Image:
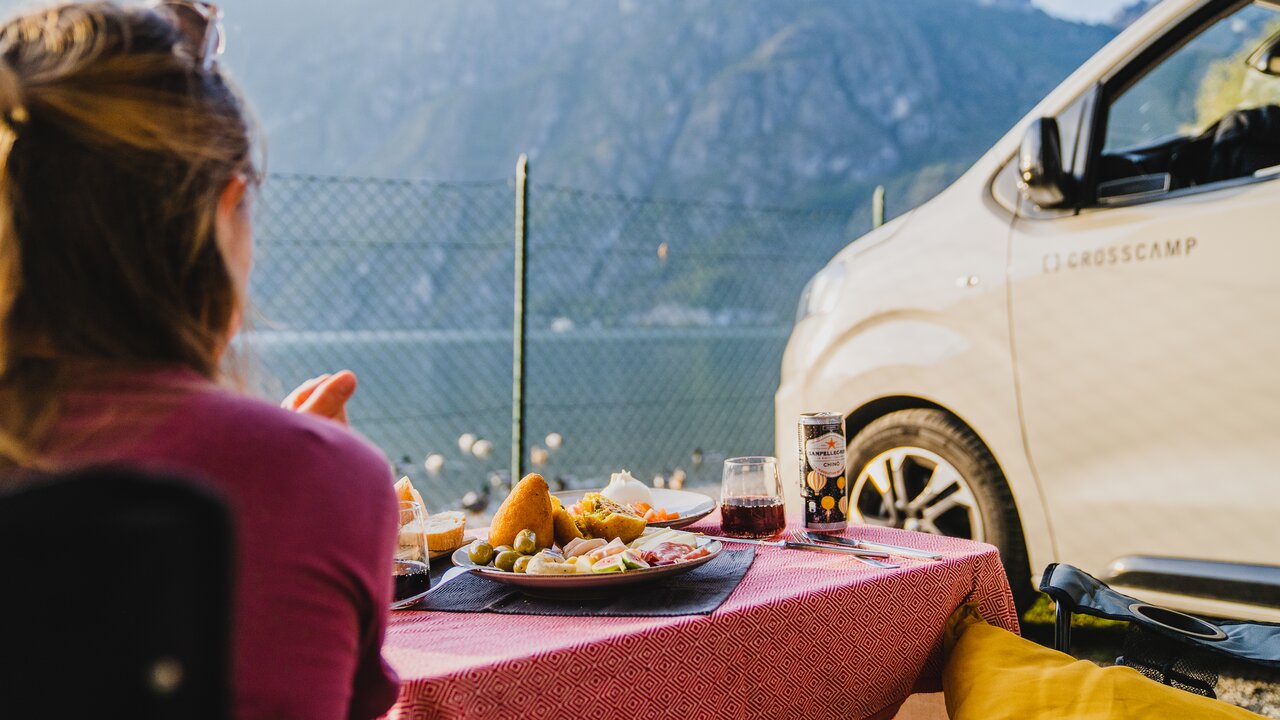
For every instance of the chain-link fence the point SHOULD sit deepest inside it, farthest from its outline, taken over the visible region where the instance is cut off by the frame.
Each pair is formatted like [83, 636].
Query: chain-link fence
[654, 328]
[408, 284]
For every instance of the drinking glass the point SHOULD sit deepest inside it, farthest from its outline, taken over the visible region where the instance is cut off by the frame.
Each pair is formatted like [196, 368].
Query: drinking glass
[751, 498]
[412, 564]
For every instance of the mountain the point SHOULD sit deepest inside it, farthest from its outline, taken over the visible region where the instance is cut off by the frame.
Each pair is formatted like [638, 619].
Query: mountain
[803, 103]
[800, 103]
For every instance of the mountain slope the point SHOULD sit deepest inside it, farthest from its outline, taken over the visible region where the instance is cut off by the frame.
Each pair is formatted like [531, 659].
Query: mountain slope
[804, 103]
[756, 101]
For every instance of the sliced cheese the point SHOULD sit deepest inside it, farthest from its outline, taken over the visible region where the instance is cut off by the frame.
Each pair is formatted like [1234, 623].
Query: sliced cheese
[666, 535]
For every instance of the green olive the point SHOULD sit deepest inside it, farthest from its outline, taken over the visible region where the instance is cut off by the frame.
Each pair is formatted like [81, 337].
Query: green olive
[522, 563]
[506, 560]
[526, 542]
[501, 549]
[481, 553]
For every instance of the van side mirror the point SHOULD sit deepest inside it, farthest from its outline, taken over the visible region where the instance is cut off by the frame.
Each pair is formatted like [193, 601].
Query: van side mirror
[1266, 59]
[1040, 176]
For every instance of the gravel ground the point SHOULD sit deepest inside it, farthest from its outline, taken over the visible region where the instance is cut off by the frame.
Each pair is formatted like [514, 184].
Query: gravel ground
[1250, 691]
[1248, 686]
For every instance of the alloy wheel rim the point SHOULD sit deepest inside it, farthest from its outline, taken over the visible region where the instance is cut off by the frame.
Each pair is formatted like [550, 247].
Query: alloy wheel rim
[916, 489]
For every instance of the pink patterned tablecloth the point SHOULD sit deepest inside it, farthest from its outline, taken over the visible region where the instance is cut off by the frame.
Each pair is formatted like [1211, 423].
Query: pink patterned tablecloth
[806, 635]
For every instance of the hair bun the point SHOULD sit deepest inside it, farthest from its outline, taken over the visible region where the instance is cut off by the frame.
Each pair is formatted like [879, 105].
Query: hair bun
[12, 106]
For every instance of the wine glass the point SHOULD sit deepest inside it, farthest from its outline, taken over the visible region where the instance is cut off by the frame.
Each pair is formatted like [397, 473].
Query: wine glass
[751, 498]
[412, 563]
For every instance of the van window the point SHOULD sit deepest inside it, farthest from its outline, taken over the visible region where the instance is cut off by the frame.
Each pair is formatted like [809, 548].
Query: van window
[1202, 115]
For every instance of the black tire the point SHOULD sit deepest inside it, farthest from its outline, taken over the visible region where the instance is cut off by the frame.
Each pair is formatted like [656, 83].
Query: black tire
[942, 434]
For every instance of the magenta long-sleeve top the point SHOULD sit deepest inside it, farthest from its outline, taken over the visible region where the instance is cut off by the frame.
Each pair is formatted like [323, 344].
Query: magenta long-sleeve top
[315, 528]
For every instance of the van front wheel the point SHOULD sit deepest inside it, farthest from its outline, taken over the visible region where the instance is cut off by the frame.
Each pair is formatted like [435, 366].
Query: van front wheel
[924, 470]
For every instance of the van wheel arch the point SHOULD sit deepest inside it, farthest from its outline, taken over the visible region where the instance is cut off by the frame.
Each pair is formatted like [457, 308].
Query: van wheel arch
[855, 421]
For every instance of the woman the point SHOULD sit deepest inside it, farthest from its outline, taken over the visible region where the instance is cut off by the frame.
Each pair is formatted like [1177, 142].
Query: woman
[125, 248]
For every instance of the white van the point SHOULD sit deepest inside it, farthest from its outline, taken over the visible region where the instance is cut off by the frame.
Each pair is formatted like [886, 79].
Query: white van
[1073, 352]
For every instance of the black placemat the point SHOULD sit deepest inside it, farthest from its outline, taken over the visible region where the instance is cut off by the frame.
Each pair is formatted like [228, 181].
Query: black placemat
[697, 592]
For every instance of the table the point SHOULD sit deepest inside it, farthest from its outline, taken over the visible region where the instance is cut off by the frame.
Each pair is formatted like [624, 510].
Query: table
[806, 635]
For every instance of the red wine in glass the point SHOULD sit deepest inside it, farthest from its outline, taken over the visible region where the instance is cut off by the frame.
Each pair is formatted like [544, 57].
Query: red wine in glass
[752, 516]
[412, 578]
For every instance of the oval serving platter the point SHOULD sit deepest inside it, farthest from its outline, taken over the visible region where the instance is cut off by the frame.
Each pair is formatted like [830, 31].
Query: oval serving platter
[587, 581]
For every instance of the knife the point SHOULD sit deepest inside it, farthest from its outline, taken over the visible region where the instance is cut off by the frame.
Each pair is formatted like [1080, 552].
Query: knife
[873, 546]
[748, 541]
[793, 545]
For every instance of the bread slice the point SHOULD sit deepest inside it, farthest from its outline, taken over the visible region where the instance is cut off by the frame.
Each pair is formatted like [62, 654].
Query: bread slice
[406, 492]
[444, 530]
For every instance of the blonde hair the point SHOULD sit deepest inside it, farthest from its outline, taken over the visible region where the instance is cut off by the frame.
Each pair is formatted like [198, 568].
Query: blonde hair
[115, 146]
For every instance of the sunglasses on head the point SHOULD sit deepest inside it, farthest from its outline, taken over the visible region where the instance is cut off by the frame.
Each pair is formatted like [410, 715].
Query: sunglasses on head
[201, 25]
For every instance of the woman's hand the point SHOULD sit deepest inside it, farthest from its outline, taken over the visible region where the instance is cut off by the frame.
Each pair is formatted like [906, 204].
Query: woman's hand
[325, 396]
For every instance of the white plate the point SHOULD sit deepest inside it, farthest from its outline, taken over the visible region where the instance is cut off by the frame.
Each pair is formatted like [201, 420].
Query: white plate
[692, 506]
[587, 581]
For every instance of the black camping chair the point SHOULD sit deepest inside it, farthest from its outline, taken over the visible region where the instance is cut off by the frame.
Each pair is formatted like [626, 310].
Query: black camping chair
[1167, 646]
[115, 599]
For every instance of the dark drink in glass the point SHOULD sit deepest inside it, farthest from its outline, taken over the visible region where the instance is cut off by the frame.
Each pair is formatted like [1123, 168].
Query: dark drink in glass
[752, 516]
[412, 578]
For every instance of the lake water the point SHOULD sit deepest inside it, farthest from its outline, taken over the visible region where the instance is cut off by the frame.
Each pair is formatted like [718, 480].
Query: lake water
[648, 400]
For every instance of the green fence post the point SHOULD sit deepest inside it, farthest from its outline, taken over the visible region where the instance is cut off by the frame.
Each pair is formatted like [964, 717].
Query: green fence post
[877, 207]
[517, 361]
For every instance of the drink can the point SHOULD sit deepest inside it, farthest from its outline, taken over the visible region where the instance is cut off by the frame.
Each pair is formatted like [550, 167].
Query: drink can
[823, 483]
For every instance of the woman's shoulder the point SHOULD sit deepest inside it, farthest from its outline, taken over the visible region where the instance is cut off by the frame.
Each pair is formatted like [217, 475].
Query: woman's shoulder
[173, 419]
[318, 467]
[263, 427]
